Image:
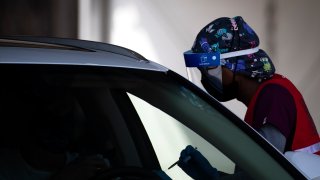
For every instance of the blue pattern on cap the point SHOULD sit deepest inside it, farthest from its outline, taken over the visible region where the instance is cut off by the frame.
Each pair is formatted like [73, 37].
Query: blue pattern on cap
[233, 34]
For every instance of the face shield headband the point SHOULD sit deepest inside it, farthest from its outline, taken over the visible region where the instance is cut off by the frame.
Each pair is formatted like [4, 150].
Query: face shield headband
[210, 66]
[213, 58]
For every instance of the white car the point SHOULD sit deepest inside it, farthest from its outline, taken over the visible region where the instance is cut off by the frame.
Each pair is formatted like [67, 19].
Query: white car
[88, 99]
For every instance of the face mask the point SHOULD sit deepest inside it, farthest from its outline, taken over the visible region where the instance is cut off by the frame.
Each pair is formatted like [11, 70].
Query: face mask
[212, 82]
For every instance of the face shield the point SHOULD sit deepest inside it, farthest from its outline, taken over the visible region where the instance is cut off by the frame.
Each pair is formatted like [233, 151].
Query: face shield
[210, 66]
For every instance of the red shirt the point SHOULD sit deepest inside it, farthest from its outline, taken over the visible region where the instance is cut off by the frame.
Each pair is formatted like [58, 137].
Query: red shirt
[279, 108]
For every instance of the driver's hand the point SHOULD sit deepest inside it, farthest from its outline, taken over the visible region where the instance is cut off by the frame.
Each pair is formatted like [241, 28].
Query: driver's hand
[82, 169]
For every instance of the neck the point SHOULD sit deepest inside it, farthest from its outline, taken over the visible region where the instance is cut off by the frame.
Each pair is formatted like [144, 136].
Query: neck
[247, 89]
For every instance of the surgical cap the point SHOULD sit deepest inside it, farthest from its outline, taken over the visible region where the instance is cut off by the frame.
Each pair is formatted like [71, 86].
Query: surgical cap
[226, 35]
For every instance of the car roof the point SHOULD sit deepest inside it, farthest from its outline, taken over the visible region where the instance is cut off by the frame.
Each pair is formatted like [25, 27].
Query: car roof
[44, 50]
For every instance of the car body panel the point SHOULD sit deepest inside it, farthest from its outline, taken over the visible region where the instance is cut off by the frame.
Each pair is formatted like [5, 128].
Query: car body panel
[96, 52]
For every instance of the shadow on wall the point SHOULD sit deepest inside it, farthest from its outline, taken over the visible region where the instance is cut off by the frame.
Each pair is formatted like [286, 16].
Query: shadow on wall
[54, 18]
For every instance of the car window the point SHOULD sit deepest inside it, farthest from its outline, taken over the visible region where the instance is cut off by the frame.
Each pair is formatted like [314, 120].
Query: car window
[131, 117]
[169, 137]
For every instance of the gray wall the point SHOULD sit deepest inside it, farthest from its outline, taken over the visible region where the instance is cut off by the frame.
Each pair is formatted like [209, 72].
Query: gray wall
[55, 18]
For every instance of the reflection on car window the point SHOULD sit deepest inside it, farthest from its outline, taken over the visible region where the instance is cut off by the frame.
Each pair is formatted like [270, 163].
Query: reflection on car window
[169, 137]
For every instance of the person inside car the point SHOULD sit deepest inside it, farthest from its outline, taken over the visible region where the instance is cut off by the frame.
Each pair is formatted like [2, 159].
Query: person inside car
[232, 66]
[48, 149]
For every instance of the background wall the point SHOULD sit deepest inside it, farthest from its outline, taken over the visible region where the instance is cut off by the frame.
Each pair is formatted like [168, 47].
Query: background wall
[57, 18]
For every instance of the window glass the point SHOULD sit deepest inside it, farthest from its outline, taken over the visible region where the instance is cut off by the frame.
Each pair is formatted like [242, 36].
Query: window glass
[169, 137]
[109, 104]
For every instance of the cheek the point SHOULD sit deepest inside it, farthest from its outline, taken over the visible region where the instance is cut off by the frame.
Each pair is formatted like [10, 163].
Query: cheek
[227, 76]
